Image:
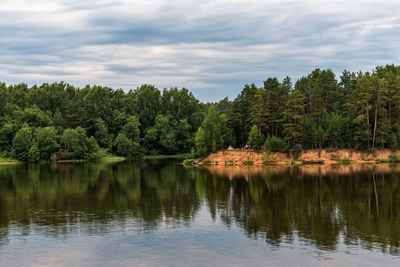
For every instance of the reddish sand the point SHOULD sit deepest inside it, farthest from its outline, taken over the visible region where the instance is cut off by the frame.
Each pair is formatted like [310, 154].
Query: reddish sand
[239, 157]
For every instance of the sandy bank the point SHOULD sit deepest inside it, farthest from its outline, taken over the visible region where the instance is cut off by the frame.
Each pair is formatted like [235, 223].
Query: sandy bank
[328, 157]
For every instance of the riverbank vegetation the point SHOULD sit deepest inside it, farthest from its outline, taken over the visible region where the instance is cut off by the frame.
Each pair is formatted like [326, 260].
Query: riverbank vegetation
[60, 121]
[353, 111]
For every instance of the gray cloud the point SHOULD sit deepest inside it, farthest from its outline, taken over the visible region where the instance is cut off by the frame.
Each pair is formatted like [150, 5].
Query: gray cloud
[211, 47]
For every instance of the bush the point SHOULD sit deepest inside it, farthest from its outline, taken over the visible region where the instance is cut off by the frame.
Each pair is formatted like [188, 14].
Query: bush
[126, 147]
[188, 162]
[62, 155]
[345, 161]
[46, 142]
[22, 143]
[34, 153]
[207, 161]
[256, 137]
[275, 144]
[78, 146]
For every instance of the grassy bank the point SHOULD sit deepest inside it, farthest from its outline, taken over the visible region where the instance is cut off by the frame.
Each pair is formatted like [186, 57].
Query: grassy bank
[8, 161]
[103, 156]
[111, 157]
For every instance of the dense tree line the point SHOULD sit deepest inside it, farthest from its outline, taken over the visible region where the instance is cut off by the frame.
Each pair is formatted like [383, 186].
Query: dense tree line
[356, 110]
[60, 120]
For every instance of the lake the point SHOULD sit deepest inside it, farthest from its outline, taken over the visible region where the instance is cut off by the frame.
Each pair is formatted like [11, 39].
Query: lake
[159, 213]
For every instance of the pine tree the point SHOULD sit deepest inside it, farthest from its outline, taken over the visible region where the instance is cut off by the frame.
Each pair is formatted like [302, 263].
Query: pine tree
[294, 116]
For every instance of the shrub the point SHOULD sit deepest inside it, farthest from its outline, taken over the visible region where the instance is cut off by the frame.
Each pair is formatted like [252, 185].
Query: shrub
[256, 137]
[275, 144]
[34, 153]
[207, 161]
[22, 143]
[46, 142]
[188, 162]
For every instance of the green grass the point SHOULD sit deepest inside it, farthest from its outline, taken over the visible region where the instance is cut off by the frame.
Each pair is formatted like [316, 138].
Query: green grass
[384, 160]
[207, 162]
[345, 161]
[313, 161]
[2, 160]
[111, 157]
[176, 156]
[104, 155]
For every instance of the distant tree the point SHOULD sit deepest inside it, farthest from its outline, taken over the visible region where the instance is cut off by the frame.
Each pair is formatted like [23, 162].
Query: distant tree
[294, 116]
[22, 142]
[34, 153]
[124, 146]
[101, 132]
[132, 129]
[184, 137]
[214, 127]
[59, 121]
[275, 144]
[200, 141]
[256, 137]
[78, 145]
[46, 142]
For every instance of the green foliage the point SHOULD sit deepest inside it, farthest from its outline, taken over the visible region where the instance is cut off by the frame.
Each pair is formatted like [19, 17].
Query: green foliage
[161, 137]
[256, 137]
[132, 129]
[355, 110]
[101, 132]
[77, 145]
[7, 132]
[294, 117]
[47, 142]
[213, 133]
[248, 161]
[275, 144]
[22, 142]
[34, 153]
[188, 162]
[200, 141]
[124, 146]
[214, 146]
[207, 161]
[345, 161]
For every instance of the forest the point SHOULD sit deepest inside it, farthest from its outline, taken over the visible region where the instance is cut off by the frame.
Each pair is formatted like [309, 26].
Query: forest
[60, 121]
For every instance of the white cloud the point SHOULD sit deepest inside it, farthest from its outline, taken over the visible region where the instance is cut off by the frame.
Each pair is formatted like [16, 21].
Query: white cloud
[210, 47]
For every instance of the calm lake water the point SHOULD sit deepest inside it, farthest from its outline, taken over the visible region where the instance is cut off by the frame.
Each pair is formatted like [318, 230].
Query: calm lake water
[159, 213]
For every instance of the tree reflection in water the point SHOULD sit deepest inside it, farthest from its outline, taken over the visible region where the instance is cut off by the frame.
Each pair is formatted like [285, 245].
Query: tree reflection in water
[355, 205]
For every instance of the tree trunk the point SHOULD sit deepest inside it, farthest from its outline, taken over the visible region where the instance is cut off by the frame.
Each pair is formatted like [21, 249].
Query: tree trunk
[367, 113]
[398, 121]
[376, 119]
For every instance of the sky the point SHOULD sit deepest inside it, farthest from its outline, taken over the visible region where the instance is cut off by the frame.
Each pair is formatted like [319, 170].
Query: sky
[213, 48]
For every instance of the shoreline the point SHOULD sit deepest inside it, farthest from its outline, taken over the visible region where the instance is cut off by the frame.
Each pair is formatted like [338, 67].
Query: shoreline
[304, 157]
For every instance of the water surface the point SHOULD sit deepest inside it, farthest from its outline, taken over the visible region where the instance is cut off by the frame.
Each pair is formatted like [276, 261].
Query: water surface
[159, 213]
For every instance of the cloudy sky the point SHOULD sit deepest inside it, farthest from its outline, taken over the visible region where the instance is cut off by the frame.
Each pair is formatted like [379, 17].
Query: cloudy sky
[210, 47]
